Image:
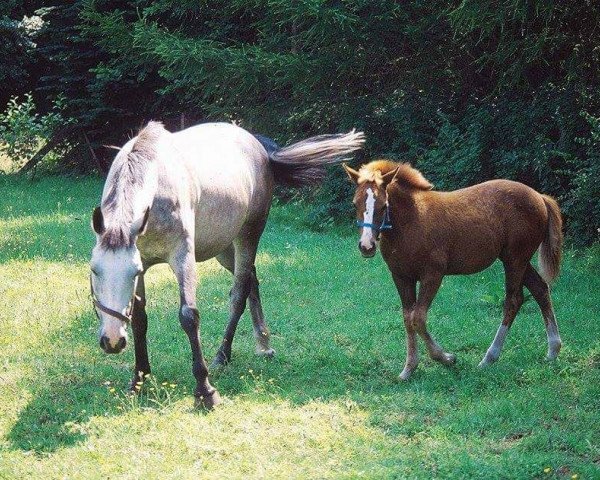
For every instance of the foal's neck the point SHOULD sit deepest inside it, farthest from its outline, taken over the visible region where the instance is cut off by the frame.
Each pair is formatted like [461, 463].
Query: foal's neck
[402, 205]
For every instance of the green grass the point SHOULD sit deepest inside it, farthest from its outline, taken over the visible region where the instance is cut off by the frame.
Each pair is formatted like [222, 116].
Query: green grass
[329, 405]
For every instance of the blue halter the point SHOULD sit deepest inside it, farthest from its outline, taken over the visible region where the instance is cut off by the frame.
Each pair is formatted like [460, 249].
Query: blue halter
[386, 223]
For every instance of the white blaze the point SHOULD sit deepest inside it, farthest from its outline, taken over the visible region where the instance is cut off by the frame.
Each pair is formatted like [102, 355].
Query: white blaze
[366, 239]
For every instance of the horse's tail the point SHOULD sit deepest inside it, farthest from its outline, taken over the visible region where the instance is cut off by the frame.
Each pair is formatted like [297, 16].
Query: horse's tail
[303, 163]
[551, 248]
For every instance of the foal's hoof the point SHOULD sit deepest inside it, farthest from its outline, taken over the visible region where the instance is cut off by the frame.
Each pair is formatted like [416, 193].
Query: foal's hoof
[448, 359]
[207, 401]
[553, 351]
[405, 375]
[267, 353]
[485, 361]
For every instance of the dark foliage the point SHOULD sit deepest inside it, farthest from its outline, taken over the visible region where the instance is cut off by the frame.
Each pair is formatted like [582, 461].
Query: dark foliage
[468, 90]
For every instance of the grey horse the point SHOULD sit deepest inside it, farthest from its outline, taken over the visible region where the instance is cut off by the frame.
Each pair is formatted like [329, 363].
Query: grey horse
[185, 197]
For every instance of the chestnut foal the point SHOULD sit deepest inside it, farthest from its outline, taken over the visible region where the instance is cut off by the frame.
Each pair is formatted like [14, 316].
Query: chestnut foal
[425, 235]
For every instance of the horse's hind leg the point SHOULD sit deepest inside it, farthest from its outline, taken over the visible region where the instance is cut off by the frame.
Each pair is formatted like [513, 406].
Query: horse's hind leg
[541, 292]
[261, 331]
[512, 303]
[245, 254]
[139, 326]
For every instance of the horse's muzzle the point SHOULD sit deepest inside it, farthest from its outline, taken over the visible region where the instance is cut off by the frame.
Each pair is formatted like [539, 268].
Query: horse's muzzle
[108, 348]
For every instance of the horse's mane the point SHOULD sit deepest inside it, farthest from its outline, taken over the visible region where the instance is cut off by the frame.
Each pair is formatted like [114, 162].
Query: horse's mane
[375, 170]
[126, 178]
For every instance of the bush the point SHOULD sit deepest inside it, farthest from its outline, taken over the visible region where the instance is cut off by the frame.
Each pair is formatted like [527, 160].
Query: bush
[582, 204]
[23, 131]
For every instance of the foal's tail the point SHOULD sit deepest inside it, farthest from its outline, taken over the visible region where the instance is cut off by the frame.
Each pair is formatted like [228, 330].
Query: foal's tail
[550, 250]
[303, 163]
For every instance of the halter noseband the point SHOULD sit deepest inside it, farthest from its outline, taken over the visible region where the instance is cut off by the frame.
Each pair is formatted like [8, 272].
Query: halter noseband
[109, 311]
[386, 223]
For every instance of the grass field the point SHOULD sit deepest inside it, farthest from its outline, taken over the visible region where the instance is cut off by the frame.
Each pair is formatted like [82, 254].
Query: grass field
[329, 405]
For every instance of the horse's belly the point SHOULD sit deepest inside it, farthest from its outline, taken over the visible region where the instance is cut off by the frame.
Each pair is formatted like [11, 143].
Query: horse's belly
[214, 234]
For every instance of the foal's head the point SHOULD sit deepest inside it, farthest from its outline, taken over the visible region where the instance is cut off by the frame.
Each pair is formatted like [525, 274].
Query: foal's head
[115, 267]
[372, 201]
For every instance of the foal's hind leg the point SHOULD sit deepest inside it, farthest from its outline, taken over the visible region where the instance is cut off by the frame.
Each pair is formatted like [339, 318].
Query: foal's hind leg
[541, 292]
[512, 303]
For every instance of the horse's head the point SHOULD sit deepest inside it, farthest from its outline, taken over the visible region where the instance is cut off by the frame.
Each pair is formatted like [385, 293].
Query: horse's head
[370, 200]
[115, 266]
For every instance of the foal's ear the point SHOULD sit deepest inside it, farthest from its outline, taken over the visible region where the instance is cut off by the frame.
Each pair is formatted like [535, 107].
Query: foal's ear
[144, 222]
[352, 174]
[389, 177]
[98, 221]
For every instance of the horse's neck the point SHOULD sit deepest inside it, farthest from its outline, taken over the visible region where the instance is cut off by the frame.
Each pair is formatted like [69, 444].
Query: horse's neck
[129, 193]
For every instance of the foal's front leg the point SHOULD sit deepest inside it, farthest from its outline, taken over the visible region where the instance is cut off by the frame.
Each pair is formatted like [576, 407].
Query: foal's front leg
[184, 268]
[407, 289]
[428, 288]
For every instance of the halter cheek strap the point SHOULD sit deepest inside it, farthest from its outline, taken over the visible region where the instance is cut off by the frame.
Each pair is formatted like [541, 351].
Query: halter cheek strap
[109, 311]
[386, 223]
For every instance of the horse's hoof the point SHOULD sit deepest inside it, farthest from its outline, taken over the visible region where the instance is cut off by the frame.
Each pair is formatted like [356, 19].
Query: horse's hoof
[267, 353]
[207, 401]
[405, 375]
[135, 387]
[219, 361]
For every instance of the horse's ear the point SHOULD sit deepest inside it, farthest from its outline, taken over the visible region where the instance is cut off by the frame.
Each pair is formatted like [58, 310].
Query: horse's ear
[144, 222]
[98, 221]
[389, 177]
[352, 174]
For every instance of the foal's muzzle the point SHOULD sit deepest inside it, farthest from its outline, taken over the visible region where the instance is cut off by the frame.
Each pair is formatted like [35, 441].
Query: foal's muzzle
[108, 348]
[367, 252]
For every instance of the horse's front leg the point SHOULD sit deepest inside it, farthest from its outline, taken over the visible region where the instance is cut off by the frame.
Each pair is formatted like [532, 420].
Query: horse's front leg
[183, 265]
[139, 326]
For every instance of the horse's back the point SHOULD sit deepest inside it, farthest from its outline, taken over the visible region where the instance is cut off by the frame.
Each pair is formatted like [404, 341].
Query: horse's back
[498, 219]
[228, 168]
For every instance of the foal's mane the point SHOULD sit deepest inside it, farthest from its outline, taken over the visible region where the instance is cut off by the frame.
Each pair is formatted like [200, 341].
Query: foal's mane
[127, 178]
[375, 170]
